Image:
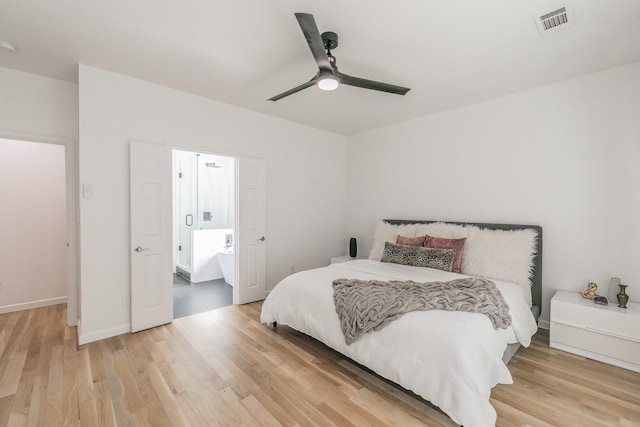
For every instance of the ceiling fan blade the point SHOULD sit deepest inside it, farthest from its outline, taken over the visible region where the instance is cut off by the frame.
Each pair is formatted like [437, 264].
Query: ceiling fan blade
[311, 33]
[370, 84]
[295, 89]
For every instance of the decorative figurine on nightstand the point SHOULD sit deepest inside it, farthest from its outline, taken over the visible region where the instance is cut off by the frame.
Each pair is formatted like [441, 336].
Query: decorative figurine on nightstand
[623, 298]
[591, 292]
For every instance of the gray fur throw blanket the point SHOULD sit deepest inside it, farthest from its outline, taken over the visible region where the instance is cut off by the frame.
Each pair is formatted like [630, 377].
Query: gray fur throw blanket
[363, 305]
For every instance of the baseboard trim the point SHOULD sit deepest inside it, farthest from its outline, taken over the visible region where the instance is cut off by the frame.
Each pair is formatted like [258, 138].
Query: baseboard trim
[544, 324]
[32, 304]
[86, 338]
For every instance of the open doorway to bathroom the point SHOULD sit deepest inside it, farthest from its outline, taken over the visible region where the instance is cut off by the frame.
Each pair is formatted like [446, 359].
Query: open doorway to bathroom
[204, 214]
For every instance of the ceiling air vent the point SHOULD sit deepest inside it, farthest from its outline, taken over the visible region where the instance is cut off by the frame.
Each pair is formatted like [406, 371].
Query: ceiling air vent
[555, 21]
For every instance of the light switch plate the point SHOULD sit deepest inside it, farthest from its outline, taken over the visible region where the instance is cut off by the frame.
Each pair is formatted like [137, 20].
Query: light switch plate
[87, 191]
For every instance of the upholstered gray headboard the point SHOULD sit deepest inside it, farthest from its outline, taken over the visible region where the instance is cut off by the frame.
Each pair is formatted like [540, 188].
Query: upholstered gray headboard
[536, 273]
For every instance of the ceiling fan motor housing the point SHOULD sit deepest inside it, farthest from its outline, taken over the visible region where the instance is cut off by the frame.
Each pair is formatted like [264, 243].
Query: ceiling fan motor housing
[330, 40]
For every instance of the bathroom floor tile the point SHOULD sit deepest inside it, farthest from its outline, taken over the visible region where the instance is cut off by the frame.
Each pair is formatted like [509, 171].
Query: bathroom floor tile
[193, 298]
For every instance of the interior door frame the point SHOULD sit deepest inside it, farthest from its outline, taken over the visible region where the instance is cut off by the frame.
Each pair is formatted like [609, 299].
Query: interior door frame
[71, 195]
[214, 152]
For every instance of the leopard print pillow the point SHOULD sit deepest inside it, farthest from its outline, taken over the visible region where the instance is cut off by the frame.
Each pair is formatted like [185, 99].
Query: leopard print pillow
[417, 256]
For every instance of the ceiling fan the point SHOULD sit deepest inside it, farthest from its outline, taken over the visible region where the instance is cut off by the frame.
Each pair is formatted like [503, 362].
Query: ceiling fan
[328, 76]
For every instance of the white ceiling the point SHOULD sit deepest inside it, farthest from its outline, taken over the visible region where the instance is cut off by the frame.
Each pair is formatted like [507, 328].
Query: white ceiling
[242, 52]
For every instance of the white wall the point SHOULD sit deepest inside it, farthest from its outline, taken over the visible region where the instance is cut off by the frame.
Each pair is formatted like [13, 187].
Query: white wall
[564, 156]
[40, 109]
[306, 175]
[33, 262]
[37, 106]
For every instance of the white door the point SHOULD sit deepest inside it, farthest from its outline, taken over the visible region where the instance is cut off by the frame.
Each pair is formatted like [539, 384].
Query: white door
[251, 236]
[151, 236]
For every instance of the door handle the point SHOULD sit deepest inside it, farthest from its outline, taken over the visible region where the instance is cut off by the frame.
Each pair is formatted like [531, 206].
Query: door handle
[140, 249]
[262, 239]
[186, 220]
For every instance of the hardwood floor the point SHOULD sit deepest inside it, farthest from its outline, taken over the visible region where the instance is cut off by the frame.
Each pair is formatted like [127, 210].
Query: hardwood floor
[224, 368]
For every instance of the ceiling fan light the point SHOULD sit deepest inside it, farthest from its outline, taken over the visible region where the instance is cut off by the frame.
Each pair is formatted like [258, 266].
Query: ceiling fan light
[328, 83]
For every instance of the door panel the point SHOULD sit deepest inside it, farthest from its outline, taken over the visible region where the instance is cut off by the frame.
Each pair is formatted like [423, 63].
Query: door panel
[151, 234]
[251, 230]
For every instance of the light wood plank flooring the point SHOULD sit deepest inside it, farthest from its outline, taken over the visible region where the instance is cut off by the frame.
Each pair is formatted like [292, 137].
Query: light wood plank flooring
[224, 368]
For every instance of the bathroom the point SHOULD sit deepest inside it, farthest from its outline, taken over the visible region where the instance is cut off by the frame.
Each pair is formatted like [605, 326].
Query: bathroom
[204, 214]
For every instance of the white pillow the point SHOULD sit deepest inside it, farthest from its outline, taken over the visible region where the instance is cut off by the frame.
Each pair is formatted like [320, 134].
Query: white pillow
[442, 230]
[505, 255]
[388, 233]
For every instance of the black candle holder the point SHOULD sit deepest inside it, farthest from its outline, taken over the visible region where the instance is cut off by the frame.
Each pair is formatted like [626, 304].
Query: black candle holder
[353, 247]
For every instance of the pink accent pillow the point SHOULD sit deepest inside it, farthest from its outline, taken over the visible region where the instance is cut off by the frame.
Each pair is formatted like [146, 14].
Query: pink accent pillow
[441, 243]
[410, 241]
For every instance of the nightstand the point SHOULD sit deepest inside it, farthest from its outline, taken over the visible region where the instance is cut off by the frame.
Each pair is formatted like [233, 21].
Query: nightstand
[608, 333]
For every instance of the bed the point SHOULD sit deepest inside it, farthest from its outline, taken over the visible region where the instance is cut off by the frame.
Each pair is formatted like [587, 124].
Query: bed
[451, 358]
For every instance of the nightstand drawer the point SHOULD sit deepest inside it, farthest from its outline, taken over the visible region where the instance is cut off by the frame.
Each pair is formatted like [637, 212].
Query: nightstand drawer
[596, 341]
[604, 319]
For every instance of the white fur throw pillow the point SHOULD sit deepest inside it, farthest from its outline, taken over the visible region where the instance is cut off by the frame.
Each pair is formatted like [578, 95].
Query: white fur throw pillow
[505, 255]
[442, 230]
[388, 233]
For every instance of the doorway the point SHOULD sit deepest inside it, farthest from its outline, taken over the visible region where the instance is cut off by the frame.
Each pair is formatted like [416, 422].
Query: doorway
[154, 240]
[38, 182]
[204, 230]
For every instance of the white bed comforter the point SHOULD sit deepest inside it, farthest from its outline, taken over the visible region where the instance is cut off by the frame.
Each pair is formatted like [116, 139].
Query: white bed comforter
[452, 359]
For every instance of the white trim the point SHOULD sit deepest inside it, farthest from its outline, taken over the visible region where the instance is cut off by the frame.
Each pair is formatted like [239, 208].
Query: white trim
[544, 324]
[34, 137]
[73, 223]
[72, 210]
[32, 304]
[196, 148]
[102, 333]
